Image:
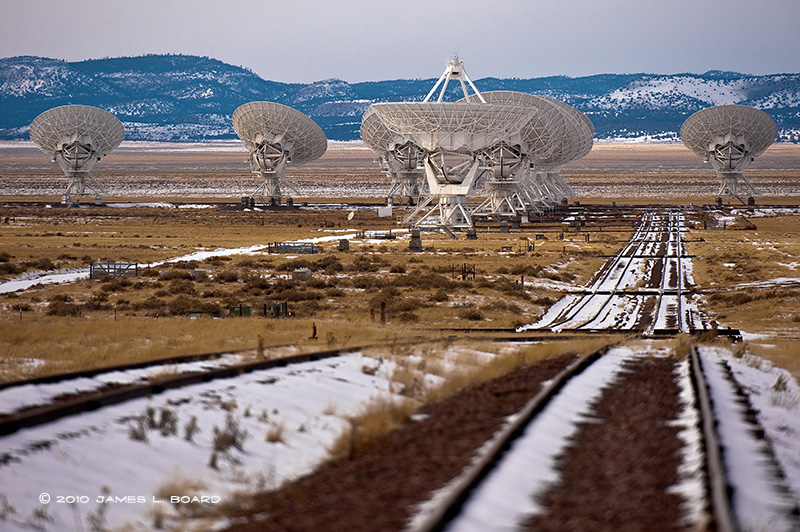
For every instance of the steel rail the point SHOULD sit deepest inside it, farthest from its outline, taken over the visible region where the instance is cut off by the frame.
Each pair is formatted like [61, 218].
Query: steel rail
[652, 224]
[718, 484]
[450, 506]
[89, 373]
[665, 289]
[636, 241]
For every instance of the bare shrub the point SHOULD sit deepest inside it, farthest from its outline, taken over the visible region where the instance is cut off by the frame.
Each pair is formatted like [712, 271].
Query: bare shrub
[8, 268]
[369, 429]
[228, 276]
[232, 435]
[183, 304]
[191, 429]
[139, 430]
[329, 264]
[363, 263]
[275, 433]
[181, 286]
[294, 264]
[439, 296]
[44, 264]
[115, 284]
[171, 275]
[471, 314]
[407, 317]
[63, 308]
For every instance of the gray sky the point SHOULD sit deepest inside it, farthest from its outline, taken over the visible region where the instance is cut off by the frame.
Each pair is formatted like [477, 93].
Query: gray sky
[365, 40]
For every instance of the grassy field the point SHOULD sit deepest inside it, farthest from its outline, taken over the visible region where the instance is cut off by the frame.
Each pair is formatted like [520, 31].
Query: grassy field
[103, 322]
[750, 274]
[183, 307]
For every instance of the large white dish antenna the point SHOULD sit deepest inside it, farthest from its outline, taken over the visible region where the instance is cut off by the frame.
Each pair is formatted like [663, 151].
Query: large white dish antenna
[572, 132]
[255, 122]
[375, 134]
[468, 127]
[55, 127]
[754, 125]
[399, 158]
[76, 137]
[730, 137]
[276, 135]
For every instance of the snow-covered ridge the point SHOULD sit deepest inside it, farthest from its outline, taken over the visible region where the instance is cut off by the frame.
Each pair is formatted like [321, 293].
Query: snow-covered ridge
[661, 92]
[173, 98]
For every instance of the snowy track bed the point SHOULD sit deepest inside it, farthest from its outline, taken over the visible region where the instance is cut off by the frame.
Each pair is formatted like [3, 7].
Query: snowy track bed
[646, 287]
[599, 452]
[753, 481]
[278, 424]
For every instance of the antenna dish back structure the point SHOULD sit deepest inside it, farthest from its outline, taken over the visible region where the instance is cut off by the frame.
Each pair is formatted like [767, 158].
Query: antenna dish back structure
[540, 183]
[77, 136]
[399, 158]
[277, 135]
[730, 137]
[498, 137]
[458, 139]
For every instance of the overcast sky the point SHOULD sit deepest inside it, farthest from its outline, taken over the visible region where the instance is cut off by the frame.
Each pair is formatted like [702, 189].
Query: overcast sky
[365, 40]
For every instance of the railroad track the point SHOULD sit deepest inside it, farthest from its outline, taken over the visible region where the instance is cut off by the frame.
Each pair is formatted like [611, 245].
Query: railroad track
[67, 394]
[746, 490]
[466, 502]
[642, 288]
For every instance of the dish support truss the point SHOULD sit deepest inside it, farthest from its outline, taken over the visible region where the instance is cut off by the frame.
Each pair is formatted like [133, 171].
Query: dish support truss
[77, 155]
[269, 159]
[451, 177]
[404, 164]
[730, 156]
[454, 70]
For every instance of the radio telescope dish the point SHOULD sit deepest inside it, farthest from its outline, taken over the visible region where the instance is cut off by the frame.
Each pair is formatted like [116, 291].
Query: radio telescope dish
[399, 158]
[572, 138]
[276, 135]
[77, 136]
[457, 139]
[729, 137]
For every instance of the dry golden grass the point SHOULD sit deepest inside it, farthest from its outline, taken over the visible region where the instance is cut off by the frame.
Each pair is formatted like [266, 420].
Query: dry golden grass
[72, 344]
[729, 266]
[468, 365]
[782, 353]
[275, 433]
[368, 428]
[470, 374]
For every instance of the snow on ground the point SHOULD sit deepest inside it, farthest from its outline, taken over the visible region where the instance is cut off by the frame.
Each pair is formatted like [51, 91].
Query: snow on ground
[552, 313]
[775, 396]
[304, 407]
[777, 282]
[162, 205]
[19, 397]
[757, 502]
[761, 212]
[691, 476]
[621, 312]
[67, 276]
[506, 498]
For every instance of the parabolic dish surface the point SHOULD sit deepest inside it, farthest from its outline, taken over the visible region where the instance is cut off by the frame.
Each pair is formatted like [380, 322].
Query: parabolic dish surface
[374, 132]
[756, 126]
[50, 128]
[269, 119]
[572, 132]
[467, 126]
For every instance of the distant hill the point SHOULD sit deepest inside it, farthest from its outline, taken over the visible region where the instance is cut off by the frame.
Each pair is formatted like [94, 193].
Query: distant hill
[189, 98]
